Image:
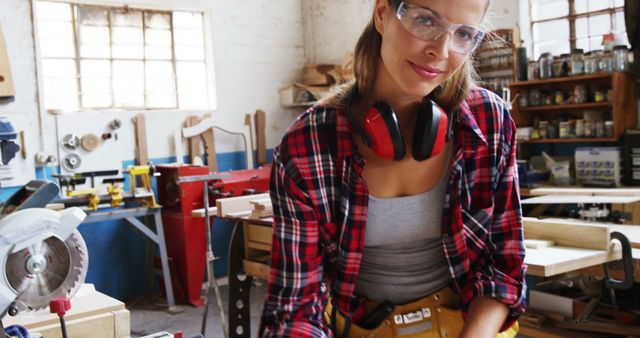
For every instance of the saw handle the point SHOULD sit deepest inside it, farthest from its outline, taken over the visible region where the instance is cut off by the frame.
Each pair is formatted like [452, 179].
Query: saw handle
[60, 306]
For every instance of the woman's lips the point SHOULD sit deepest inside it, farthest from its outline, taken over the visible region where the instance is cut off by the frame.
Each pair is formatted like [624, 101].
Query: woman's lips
[425, 71]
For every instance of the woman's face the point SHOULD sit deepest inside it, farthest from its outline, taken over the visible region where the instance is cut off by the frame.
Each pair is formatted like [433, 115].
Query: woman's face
[413, 63]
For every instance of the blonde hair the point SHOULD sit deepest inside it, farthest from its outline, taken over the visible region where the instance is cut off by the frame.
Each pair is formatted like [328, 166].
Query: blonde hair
[367, 55]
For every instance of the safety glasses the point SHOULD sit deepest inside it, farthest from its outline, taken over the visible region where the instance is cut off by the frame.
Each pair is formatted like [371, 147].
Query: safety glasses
[428, 25]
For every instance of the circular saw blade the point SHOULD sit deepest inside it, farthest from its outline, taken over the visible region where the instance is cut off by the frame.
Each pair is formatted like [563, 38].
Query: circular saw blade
[47, 270]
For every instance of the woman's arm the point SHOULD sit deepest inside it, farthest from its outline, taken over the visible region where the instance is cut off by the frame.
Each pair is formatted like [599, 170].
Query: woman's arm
[295, 294]
[484, 319]
[501, 277]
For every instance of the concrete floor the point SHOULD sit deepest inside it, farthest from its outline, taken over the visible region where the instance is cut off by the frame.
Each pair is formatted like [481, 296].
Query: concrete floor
[145, 319]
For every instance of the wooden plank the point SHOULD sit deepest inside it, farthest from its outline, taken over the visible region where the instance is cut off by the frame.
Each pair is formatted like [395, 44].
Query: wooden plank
[259, 234]
[142, 154]
[586, 191]
[6, 80]
[259, 118]
[580, 199]
[555, 260]
[210, 147]
[122, 321]
[258, 246]
[632, 210]
[195, 151]
[237, 204]
[538, 243]
[199, 213]
[568, 233]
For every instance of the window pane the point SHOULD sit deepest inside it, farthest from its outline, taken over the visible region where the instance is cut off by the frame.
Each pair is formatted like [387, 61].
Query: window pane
[192, 85]
[57, 48]
[93, 16]
[555, 47]
[157, 20]
[67, 103]
[160, 84]
[195, 53]
[599, 24]
[188, 36]
[95, 68]
[55, 30]
[96, 100]
[131, 18]
[128, 83]
[547, 9]
[59, 68]
[187, 20]
[551, 30]
[130, 100]
[126, 35]
[53, 11]
[94, 42]
[618, 22]
[158, 44]
[61, 87]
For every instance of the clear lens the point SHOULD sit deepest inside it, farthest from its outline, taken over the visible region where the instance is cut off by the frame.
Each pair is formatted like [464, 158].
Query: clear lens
[426, 25]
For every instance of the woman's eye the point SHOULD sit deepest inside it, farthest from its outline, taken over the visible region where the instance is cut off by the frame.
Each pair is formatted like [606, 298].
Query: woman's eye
[425, 20]
[464, 35]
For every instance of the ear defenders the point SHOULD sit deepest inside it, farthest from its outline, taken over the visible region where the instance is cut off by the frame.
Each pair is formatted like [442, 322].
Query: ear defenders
[381, 133]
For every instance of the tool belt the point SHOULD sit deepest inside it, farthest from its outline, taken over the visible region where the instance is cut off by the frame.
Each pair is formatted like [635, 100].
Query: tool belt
[434, 316]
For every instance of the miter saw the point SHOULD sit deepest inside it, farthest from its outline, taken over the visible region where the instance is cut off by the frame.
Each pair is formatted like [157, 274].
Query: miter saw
[42, 257]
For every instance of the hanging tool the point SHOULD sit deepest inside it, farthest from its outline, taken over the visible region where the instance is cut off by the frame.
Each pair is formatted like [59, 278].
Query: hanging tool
[8, 146]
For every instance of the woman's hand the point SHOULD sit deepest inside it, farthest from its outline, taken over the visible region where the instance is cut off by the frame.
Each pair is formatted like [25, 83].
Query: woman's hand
[485, 317]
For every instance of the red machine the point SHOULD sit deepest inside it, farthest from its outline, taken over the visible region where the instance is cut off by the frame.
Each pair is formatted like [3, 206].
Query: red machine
[186, 235]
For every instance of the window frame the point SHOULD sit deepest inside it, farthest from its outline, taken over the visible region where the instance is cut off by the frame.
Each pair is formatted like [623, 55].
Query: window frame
[571, 18]
[211, 92]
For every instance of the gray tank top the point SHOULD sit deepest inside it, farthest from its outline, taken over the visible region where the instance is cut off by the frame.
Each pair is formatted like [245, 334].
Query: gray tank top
[403, 258]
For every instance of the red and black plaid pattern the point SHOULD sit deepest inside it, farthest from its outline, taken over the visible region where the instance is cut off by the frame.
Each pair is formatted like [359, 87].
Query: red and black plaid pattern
[320, 205]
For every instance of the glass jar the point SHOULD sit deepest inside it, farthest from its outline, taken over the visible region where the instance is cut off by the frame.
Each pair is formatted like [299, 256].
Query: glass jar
[552, 129]
[590, 63]
[597, 56]
[606, 63]
[532, 71]
[608, 128]
[620, 58]
[523, 100]
[599, 128]
[599, 96]
[557, 66]
[580, 94]
[566, 64]
[564, 129]
[543, 128]
[577, 62]
[589, 128]
[559, 98]
[535, 97]
[545, 64]
[579, 128]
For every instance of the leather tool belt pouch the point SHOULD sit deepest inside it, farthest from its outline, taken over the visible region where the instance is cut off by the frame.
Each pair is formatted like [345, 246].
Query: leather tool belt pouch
[434, 316]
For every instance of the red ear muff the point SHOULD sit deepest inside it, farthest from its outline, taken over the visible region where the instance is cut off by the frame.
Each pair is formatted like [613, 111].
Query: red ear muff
[431, 130]
[381, 125]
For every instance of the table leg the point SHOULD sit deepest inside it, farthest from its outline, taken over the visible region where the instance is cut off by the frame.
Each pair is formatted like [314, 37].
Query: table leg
[239, 287]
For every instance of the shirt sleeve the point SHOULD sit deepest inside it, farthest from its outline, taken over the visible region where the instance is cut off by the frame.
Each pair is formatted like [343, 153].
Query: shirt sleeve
[503, 275]
[294, 303]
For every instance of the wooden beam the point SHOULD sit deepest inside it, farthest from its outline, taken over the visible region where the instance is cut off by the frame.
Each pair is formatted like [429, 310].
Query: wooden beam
[555, 260]
[210, 147]
[586, 191]
[6, 81]
[237, 204]
[568, 233]
[194, 142]
[142, 154]
[261, 142]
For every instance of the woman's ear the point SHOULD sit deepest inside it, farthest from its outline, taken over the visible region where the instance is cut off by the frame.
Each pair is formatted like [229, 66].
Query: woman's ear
[378, 14]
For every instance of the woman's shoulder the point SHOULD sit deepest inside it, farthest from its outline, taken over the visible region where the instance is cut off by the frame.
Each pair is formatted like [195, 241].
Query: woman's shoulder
[317, 125]
[479, 97]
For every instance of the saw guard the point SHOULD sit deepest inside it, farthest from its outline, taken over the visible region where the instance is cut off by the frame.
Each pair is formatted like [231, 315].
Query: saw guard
[22, 235]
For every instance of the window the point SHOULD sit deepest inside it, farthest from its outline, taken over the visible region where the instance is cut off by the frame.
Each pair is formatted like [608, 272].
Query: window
[558, 26]
[119, 57]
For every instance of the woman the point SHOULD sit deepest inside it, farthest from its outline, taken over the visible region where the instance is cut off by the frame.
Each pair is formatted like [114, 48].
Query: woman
[442, 219]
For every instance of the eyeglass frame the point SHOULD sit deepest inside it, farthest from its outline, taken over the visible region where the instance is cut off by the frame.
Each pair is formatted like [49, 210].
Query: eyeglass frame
[445, 25]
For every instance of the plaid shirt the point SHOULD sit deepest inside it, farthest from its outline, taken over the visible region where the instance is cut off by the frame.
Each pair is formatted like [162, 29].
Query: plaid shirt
[320, 205]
